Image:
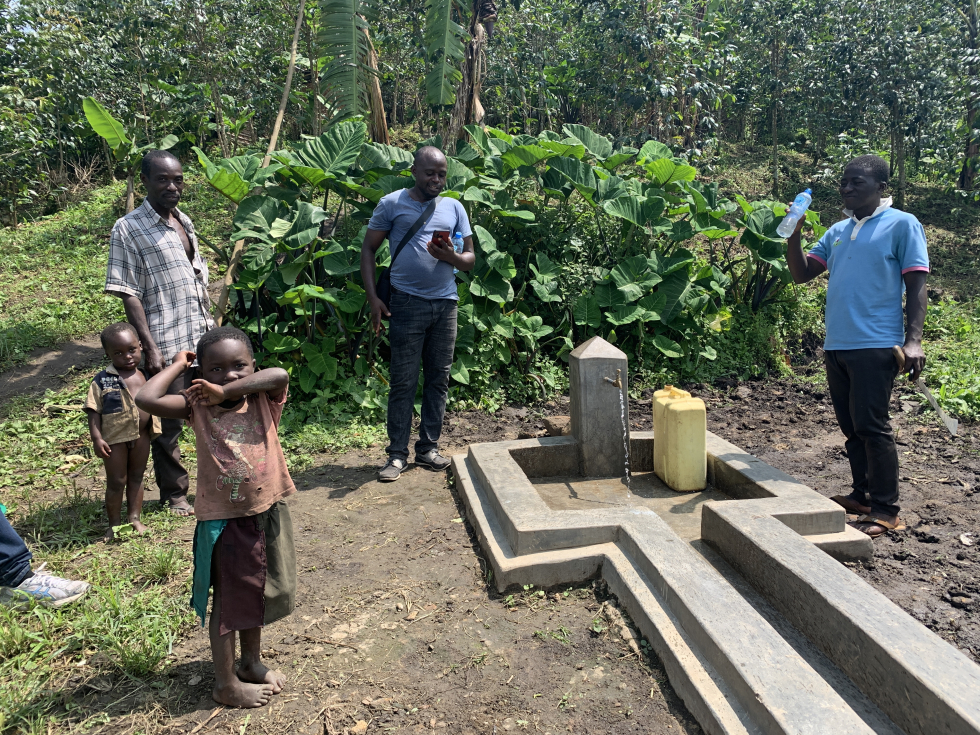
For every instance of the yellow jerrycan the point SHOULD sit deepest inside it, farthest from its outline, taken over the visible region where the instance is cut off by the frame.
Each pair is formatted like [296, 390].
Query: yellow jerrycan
[679, 436]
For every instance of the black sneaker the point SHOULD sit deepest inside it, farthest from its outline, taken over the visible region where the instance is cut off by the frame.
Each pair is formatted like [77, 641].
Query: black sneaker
[433, 460]
[392, 469]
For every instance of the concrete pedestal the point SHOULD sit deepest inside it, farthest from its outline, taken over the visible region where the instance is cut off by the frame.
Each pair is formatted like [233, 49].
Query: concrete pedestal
[597, 414]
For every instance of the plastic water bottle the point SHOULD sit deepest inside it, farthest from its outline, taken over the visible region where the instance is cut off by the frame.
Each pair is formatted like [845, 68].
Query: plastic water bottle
[795, 213]
[457, 246]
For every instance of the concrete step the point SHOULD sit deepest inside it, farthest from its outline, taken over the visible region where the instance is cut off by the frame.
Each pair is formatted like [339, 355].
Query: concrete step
[737, 664]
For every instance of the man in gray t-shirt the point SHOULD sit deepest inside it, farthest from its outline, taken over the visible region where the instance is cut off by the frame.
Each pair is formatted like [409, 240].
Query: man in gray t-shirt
[422, 309]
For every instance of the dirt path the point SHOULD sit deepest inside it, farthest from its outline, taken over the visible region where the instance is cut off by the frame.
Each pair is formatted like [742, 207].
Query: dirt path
[51, 369]
[397, 627]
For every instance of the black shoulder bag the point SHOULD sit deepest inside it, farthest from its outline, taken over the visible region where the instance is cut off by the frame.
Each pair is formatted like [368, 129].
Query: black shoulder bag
[383, 287]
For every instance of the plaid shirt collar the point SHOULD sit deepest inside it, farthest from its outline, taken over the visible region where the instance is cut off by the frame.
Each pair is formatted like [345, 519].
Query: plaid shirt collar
[146, 210]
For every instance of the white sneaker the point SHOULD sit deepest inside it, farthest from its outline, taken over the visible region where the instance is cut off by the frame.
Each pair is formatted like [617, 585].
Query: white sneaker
[46, 589]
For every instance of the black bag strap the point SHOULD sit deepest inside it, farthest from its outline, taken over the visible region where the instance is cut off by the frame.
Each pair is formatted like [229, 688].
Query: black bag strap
[419, 224]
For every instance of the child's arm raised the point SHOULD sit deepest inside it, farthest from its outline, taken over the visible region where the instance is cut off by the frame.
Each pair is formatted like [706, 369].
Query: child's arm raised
[153, 397]
[271, 381]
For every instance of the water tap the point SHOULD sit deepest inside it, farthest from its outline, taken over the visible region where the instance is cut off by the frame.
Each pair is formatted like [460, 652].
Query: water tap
[618, 382]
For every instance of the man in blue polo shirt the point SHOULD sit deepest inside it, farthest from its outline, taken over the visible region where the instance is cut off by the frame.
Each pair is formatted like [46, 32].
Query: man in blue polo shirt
[873, 256]
[422, 308]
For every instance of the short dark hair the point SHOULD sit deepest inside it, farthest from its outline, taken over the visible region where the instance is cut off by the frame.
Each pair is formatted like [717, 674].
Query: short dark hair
[220, 334]
[874, 165]
[426, 151]
[113, 329]
[146, 167]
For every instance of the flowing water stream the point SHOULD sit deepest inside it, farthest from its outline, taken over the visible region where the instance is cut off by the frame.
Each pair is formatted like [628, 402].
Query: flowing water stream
[626, 443]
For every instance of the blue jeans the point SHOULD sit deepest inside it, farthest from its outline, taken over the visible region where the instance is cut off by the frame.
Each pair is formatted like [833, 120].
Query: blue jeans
[15, 559]
[420, 331]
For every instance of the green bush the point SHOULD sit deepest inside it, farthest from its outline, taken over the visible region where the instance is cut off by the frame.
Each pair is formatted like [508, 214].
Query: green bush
[575, 239]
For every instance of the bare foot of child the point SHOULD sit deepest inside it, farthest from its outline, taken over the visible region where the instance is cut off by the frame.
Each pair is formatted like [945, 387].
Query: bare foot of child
[259, 673]
[138, 527]
[242, 694]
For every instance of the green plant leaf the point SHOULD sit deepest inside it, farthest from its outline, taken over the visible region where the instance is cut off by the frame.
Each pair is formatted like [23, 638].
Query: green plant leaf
[653, 150]
[625, 314]
[586, 311]
[343, 38]
[479, 137]
[254, 218]
[669, 347]
[443, 50]
[618, 158]
[546, 269]
[503, 263]
[570, 147]
[494, 287]
[337, 149]
[675, 288]
[485, 239]
[482, 196]
[458, 175]
[598, 145]
[526, 155]
[307, 380]
[105, 124]
[279, 343]
[578, 172]
[460, 371]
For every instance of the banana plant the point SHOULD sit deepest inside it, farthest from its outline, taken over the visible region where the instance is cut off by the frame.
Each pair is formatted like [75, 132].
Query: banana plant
[127, 153]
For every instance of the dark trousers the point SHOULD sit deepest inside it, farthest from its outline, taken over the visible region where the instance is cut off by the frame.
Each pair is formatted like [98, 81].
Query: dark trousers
[170, 474]
[860, 388]
[15, 559]
[421, 331]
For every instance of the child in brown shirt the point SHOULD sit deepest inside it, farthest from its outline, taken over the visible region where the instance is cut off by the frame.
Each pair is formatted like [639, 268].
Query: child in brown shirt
[243, 544]
[121, 433]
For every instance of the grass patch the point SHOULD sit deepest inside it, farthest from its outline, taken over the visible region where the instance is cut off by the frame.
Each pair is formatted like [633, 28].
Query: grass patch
[303, 435]
[952, 343]
[121, 633]
[51, 278]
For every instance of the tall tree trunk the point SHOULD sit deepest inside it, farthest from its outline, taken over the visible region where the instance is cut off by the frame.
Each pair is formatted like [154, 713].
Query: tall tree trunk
[969, 171]
[379, 125]
[274, 138]
[774, 61]
[468, 108]
[130, 194]
[236, 253]
[901, 169]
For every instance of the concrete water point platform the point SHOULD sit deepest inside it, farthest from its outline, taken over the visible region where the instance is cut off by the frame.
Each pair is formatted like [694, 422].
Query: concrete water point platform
[739, 588]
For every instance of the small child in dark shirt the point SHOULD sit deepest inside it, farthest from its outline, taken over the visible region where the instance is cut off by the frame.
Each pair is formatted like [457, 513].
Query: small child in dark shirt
[121, 433]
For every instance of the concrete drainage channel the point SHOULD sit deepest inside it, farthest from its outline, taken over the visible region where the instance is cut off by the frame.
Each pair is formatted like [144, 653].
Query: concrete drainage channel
[738, 588]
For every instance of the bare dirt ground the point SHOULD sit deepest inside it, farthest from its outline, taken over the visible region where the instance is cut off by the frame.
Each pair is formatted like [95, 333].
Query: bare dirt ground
[50, 368]
[397, 629]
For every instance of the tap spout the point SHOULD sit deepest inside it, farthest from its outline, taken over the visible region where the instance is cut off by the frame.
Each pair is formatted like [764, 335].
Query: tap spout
[618, 382]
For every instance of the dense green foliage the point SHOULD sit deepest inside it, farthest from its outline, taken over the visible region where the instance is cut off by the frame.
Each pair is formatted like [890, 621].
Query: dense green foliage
[822, 76]
[575, 238]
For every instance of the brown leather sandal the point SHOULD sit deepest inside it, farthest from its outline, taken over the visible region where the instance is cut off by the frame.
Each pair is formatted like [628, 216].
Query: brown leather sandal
[875, 526]
[851, 505]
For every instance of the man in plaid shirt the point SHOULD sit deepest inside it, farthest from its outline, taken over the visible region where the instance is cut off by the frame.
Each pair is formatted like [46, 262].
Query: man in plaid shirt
[155, 267]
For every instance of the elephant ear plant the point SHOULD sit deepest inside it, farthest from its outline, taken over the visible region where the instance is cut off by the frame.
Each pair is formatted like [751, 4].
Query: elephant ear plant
[575, 237]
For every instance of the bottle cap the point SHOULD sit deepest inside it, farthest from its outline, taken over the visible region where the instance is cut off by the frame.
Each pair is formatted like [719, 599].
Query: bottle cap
[808, 191]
